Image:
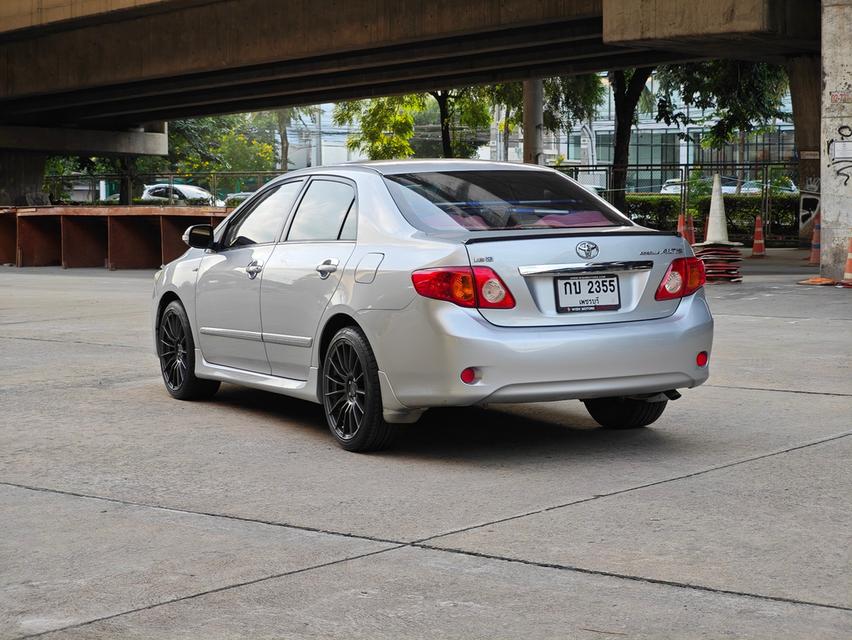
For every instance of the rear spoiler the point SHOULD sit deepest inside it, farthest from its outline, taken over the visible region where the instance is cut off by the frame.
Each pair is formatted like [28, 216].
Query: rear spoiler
[573, 234]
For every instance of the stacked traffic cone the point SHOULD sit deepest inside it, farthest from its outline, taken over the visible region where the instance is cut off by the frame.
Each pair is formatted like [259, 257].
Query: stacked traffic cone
[690, 229]
[720, 256]
[758, 248]
[815, 243]
[681, 226]
[847, 272]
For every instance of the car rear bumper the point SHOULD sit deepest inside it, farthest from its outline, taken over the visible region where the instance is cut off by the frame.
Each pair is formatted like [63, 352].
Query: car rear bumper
[423, 349]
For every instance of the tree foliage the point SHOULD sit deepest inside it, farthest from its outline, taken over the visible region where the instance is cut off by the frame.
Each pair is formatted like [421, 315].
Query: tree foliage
[385, 125]
[571, 99]
[628, 87]
[743, 96]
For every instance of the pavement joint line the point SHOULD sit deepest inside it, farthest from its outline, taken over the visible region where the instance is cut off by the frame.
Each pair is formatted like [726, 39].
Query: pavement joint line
[98, 316]
[634, 578]
[419, 541]
[14, 388]
[227, 587]
[209, 514]
[647, 485]
[811, 393]
[396, 544]
[770, 317]
[92, 344]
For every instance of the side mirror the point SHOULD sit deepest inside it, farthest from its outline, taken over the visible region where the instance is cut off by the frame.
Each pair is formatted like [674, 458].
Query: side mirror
[199, 236]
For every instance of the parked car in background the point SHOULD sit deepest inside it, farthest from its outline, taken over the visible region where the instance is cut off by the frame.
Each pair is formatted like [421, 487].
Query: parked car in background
[702, 184]
[180, 194]
[673, 186]
[784, 186]
[233, 199]
[382, 289]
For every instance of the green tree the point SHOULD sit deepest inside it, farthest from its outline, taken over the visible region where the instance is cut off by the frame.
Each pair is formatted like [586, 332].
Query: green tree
[628, 87]
[740, 96]
[385, 125]
[459, 111]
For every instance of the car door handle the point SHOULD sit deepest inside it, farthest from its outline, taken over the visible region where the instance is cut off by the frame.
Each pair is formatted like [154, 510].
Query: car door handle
[253, 268]
[327, 267]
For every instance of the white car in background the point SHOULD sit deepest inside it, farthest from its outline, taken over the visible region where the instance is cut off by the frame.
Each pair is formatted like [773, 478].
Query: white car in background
[179, 194]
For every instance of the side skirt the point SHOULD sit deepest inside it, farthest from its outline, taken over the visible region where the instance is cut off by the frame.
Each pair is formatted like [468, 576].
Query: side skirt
[302, 389]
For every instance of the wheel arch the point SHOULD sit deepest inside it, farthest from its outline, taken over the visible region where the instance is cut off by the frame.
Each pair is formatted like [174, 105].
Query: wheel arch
[334, 324]
[167, 298]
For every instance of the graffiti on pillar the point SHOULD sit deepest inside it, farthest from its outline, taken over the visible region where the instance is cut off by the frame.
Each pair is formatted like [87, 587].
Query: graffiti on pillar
[812, 184]
[840, 153]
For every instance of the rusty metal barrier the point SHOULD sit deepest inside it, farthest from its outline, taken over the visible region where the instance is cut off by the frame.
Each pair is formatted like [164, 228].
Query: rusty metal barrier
[111, 237]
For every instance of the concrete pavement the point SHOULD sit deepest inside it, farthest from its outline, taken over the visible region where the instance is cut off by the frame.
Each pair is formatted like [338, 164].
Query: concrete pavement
[126, 514]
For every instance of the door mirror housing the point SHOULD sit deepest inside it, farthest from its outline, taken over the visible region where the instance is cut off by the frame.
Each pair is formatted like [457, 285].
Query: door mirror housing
[199, 236]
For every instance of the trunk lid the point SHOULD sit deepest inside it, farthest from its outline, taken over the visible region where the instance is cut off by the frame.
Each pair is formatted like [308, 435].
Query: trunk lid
[579, 272]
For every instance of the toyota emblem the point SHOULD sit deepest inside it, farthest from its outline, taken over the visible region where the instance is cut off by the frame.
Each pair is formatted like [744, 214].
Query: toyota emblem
[587, 250]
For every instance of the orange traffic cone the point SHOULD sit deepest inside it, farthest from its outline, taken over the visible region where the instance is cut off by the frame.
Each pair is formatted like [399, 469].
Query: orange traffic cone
[847, 272]
[681, 225]
[814, 259]
[690, 229]
[758, 248]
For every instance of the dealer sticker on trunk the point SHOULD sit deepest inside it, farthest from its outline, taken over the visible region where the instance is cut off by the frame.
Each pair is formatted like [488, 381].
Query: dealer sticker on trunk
[587, 293]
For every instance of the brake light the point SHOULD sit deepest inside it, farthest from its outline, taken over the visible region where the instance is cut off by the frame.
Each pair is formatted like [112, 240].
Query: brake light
[684, 277]
[465, 286]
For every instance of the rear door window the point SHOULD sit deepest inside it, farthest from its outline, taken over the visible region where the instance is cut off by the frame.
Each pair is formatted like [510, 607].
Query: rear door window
[497, 200]
[325, 208]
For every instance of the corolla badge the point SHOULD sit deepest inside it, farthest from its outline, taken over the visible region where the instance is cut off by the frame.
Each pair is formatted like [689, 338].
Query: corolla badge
[587, 250]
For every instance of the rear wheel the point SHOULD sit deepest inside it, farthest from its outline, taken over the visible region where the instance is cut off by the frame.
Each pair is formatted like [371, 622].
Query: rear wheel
[624, 413]
[351, 395]
[176, 350]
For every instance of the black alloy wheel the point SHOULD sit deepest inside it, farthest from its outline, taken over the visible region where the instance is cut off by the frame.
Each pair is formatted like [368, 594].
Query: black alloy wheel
[351, 395]
[176, 351]
[173, 350]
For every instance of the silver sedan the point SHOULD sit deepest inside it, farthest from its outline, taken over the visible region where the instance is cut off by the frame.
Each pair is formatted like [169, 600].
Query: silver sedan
[382, 289]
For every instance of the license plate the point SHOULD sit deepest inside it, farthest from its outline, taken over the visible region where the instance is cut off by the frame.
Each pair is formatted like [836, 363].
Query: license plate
[587, 293]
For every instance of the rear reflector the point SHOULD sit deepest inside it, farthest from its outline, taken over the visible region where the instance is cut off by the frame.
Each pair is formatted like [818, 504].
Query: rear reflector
[684, 277]
[465, 286]
[701, 359]
[468, 376]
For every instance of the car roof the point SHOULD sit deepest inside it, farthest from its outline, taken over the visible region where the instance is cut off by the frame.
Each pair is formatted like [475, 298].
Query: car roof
[391, 167]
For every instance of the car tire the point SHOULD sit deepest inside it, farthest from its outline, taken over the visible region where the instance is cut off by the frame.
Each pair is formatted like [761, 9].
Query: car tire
[176, 352]
[351, 395]
[624, 413]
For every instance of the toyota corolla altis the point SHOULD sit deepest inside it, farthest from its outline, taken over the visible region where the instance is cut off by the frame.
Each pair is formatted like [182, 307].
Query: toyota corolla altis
[383, 289]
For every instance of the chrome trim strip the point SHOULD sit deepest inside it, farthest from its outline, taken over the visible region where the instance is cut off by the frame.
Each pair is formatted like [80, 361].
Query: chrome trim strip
[232, 333]
[292, 341]
[585, 267]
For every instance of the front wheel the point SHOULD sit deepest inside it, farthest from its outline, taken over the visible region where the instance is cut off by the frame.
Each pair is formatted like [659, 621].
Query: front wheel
[351, 395]
[624, 413]
[176, 350]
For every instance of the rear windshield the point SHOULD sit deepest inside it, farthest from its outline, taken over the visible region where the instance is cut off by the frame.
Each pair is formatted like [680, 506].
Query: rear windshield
[496, 200]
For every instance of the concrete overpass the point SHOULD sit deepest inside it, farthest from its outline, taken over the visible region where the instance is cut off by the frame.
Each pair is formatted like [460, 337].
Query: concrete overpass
[100, 76]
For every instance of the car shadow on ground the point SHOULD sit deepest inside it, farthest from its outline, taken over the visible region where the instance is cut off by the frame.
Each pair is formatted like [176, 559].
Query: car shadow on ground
[537, 431]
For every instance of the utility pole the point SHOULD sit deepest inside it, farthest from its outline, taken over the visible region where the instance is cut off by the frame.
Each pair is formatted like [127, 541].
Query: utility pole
[533, 121]
[319, 135]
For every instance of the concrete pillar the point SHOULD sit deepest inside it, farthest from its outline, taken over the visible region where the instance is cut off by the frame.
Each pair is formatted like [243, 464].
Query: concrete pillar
[22, 178]
[533, 121]
[805, 77]
[836, 147]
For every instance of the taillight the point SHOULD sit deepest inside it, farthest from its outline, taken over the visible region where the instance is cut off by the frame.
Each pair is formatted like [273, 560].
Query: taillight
[464, 286]
[684, 277]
